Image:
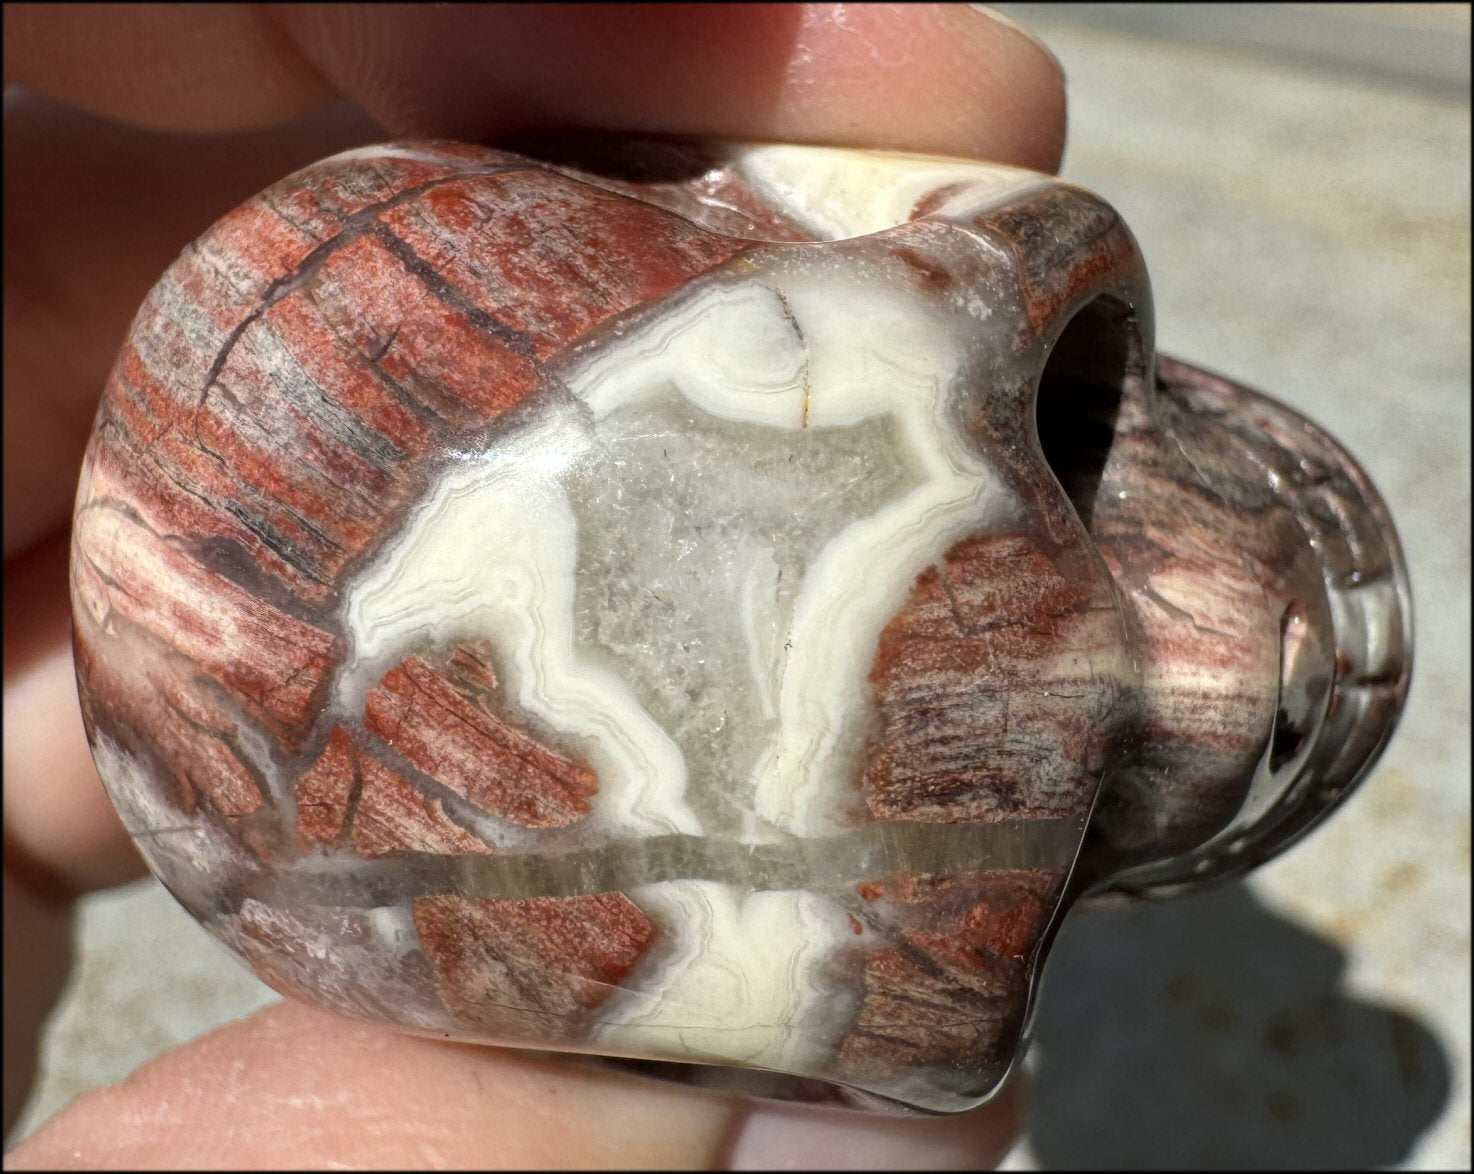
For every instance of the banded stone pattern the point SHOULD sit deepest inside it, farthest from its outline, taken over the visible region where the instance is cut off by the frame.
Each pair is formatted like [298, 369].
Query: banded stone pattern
[459, 529]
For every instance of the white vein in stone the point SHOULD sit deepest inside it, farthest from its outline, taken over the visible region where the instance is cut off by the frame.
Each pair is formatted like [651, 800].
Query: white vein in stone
[838, 192]
[742, 985]
[491, 555]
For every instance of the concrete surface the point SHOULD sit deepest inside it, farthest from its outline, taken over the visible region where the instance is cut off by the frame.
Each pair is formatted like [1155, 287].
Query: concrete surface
[1425, 46]
[1308, 232]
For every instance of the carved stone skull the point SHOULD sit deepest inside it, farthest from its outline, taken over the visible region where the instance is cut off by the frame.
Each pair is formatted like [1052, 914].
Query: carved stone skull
[704, 604]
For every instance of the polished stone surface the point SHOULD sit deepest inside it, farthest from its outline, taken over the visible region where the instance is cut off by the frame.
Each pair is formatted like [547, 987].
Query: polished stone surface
[621, 604]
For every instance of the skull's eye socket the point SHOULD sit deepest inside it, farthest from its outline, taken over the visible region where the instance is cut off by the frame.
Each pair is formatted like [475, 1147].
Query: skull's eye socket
[1093, 362]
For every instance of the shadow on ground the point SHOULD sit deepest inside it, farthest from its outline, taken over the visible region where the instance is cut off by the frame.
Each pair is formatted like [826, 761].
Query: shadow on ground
[1208, 1033]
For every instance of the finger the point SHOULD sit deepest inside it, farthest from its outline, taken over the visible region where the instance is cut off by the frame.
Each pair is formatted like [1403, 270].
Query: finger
[298, 1089]
[94, 212]
[62, 835]
[942, 78]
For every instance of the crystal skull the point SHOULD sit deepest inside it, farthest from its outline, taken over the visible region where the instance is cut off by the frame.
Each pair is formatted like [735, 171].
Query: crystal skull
[712, 606]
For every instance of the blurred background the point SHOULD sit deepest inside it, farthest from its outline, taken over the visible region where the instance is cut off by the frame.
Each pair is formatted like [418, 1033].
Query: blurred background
[1298, 177]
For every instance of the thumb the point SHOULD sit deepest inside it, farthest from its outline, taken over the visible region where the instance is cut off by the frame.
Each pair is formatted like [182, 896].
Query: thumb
[293, 1088]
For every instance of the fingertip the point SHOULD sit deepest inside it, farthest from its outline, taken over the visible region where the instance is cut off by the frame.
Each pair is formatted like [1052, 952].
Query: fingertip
[940, 79]
[1018, 112]
[60, 829]
[945, 79]
[1010, 25]
[780, 1137]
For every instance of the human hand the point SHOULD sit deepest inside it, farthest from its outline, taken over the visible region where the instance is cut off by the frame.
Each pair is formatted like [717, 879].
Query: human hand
[189, 110]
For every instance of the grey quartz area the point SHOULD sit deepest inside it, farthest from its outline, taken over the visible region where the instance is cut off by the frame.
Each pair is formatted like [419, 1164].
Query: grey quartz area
[1307, 231]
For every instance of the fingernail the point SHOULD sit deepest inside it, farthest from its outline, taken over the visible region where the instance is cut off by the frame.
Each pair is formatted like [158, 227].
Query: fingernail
[1009, 23]
[778, 1138]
